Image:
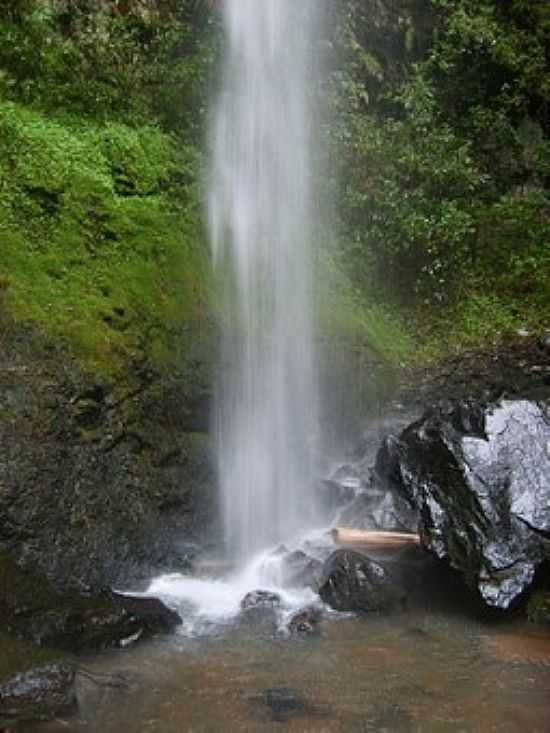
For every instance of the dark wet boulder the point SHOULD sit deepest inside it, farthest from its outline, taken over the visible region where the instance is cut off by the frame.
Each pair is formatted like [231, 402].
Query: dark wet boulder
[352, 581]
[480, 479]
[38, 694]
[32, 608]
[260, 599]
[79, 623]
[305, 621]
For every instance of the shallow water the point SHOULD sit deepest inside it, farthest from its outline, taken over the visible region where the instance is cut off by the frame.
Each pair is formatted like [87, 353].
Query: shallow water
[416, 671]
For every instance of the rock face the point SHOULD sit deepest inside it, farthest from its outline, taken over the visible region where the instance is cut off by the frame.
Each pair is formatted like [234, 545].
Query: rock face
[39, 694]
[480, 479]
[353, 582]
[99, 481]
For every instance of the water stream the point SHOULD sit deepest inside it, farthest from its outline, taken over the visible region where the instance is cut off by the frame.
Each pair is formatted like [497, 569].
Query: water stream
[426, 672]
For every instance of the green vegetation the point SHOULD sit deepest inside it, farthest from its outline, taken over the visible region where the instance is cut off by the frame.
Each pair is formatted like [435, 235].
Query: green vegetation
[445, 169]
[100, 235]
[441, 118]
[94, 248]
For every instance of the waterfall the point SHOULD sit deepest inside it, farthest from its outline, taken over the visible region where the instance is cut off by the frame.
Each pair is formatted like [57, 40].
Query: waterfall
[261, 198]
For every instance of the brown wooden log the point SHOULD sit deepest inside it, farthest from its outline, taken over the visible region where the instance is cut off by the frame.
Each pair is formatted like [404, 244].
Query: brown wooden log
[374, 539]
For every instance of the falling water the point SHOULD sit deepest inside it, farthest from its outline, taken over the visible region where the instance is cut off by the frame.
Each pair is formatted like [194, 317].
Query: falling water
[260, 202]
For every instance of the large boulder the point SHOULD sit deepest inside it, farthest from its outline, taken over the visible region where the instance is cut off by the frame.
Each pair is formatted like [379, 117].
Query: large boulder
[354, 582]
[480, 479]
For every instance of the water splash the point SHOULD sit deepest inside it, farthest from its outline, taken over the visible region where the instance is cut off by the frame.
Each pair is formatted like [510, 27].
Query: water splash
[208, 603]
[261, 215]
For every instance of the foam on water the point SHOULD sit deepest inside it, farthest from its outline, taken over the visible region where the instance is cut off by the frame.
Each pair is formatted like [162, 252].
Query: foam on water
[208, 602]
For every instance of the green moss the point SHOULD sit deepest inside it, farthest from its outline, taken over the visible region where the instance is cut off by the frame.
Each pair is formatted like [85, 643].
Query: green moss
[96, 247]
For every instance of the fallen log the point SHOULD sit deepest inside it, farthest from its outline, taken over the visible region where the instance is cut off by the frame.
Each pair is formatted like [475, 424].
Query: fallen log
[375, 539]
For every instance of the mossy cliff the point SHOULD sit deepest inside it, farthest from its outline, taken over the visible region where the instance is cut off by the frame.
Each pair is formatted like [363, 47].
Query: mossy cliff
[105, 331]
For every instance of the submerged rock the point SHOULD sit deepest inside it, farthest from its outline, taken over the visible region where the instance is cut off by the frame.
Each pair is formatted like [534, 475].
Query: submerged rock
[354, 582]
[305, 621]
[285, 703]
[38, 694]
[480, 479]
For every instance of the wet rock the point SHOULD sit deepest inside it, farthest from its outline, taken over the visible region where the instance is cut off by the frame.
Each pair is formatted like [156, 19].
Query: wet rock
[82, 623]
[347, 475]
[480, 479]
[300, 570]
[284, 704]
[352, 581]
[305, 621]
[260, 599]
[332, 494]
[31, 608]
[379, 510]
[38, 694]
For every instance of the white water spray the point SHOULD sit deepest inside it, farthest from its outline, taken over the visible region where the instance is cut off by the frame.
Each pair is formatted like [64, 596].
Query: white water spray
[260, 211]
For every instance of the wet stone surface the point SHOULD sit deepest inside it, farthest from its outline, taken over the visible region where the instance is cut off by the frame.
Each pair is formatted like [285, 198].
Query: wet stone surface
[260, 599]
[353, 582]
[480, 480]
[38, 694]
